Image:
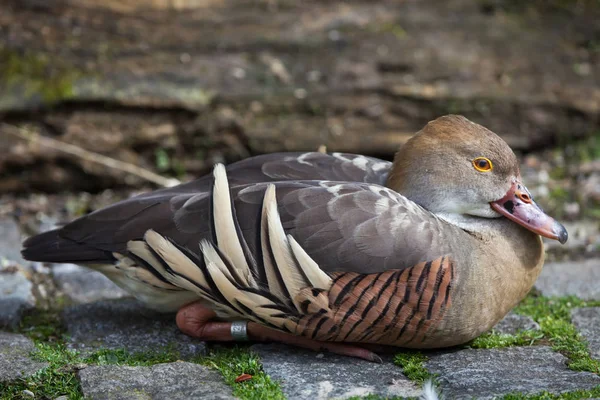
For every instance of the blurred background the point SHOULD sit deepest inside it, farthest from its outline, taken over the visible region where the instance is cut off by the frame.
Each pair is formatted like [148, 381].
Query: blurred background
[101, 99]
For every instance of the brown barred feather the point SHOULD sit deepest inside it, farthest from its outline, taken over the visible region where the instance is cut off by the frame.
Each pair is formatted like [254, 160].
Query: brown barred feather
[367, 312]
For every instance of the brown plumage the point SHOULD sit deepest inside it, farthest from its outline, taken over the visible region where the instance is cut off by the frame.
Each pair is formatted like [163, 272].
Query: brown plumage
[340, 247]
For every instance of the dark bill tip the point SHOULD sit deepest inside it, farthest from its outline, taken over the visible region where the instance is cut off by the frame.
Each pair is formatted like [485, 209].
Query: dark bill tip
[561, 232]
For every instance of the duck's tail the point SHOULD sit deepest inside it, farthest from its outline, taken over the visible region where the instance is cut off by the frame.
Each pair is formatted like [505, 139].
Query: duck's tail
[51, 247]
[275, 290]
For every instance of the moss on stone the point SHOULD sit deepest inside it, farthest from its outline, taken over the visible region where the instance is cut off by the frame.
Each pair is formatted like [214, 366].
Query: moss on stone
[378, 397]
[491, 340]
[38, 75]
[42, 326]
[553, 314]
[413, 365]
[123, 357]
[392, 27]
[576, 395]
[58, 379]
[232, 362]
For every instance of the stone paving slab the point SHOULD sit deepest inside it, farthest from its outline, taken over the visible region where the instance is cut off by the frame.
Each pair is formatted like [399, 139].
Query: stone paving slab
[515, 323]
[310, 375]
[15, 360]
[578, 278]
[485, 374]
[125, 324]
[16, 296]
[173, 381]
[587, 322]
[83, 285]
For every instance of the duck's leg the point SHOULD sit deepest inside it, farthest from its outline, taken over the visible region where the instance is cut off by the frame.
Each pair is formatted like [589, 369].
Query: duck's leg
[195, 320]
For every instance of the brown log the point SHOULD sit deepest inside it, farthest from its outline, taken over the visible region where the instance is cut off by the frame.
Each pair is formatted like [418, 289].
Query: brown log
[199, 81]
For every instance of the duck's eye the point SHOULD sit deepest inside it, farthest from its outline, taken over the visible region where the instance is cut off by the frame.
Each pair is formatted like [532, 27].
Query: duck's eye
[482, 164]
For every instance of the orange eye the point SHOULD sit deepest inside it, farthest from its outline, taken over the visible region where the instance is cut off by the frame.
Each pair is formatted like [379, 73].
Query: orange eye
[482, 164]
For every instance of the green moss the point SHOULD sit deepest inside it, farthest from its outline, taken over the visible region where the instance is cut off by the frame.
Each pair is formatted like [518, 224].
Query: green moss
[389, 27]
[42, 326]
[575, 395]
[492, 340]
[554, 316]
[166, 163]
[58, 379]
[232, 362]
[376, 397]
[123, 357]
[163, 161]
[413, 365]
[40, 75]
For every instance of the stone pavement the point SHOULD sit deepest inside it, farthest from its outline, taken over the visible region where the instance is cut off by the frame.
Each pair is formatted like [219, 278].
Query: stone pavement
[15, 361]
[98, 315]
[125, 324]
[577, 278]
[173, 381]
[311, 375]
[488, 373]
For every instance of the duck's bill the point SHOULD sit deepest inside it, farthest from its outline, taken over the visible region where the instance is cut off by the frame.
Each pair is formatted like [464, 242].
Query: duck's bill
[518, 206]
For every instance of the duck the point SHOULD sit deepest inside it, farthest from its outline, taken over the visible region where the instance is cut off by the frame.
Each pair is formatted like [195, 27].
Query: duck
[329, 251]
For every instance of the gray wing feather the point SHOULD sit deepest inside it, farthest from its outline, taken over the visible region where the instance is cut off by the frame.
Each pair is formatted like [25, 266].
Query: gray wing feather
[333, 205]
[363, 227]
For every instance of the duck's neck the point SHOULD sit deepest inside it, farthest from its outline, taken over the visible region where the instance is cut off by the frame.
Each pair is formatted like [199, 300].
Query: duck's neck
[500, 262]
[517, 250]
[475, 225]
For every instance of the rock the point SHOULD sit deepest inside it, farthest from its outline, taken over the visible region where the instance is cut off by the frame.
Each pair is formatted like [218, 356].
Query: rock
[579, 278]
[514, 323]
[10, 243]
[15, 361]
[125, 324]
[587, 322]
[83, 285]
[15, 296]
[174, 381]
[309, 375]
[485, 374]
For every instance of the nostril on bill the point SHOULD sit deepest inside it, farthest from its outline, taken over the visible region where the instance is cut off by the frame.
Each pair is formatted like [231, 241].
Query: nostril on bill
[524, 197]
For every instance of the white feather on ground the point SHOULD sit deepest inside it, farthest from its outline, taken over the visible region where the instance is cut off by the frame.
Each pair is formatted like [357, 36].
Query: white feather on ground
[429, 391]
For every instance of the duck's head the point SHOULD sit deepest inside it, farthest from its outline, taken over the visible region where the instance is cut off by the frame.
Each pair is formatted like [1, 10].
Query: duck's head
[454, 166]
